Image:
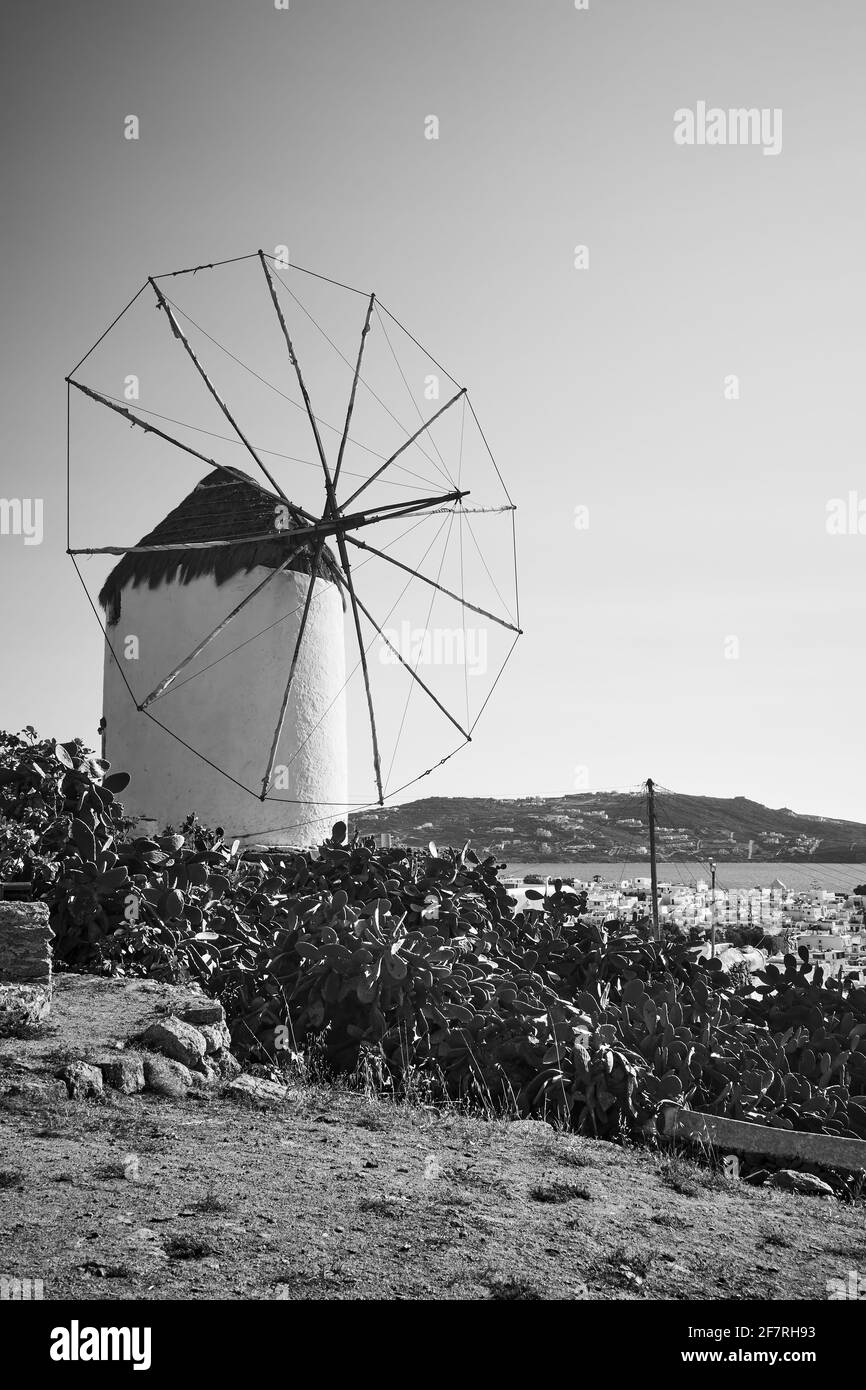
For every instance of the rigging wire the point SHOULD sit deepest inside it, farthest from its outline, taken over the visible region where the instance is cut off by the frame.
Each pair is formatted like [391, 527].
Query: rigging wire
[275, 453]
[361, 809]
[412, 399]
[489, 575]
[420, 650]
[418, 345]
[462, 580]
[208, 265]
[495, 683]
[108, 329]
[514, 553]
[488, 448]
[315, 274]
[68, 460]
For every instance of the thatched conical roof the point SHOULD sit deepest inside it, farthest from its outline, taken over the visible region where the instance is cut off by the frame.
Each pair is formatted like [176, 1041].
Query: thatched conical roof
[225, 505]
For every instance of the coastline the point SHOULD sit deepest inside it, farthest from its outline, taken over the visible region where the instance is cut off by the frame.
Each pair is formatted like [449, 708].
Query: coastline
[831, 876]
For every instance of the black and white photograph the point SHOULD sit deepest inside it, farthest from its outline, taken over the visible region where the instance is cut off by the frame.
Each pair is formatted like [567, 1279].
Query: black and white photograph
[433, 544]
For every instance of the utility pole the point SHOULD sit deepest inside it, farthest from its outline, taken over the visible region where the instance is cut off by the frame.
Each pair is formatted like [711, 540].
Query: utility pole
[713, 910]
[651, 812]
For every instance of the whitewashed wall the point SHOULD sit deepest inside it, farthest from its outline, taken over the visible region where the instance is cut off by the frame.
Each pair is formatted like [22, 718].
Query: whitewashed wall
[229, 712]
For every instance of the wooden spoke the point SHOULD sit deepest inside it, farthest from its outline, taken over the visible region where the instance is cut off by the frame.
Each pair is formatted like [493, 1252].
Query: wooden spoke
[412, 672]
[364, 331]
[403, 447]
[295, 363]
[317, 529]
[333, 511]
[166, 545]
[362, 545]
[377, 761]
[215, 632]
[143, 425]
[181, 336]
[295, 654]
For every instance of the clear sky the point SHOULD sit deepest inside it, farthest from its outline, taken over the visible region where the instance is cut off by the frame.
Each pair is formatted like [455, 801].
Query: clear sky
[601, 388]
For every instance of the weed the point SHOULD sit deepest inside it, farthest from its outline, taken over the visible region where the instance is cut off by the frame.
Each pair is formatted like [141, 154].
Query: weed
[107, 1171]
[624, 1268]
[688, 1177]
[98, 1271]
[569, 1158]
[393, 1207]
[211, 1204]
[187, 1248]
[514, 1288]
[560, 1192]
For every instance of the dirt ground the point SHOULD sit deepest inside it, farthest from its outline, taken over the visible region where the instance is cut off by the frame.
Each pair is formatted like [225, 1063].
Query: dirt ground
[335, 1195]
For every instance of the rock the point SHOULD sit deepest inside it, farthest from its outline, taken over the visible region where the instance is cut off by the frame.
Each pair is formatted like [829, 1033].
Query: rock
[204, 1079]
[176, 1039]
[23, 1005]
[82, 1080]
[537, 1127]
[124, 1073]
[203, 1011]
[225, 1065]
[25, 942]
[167, 1077]
[216, 1036]
[34, 1090]
[805, 1183]
[256, 1091]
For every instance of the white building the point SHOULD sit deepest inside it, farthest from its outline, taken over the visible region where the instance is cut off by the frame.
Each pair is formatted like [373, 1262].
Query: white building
[833, 951]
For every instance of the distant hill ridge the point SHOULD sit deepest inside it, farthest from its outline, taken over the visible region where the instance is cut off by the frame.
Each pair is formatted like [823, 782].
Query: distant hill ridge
[591, 825]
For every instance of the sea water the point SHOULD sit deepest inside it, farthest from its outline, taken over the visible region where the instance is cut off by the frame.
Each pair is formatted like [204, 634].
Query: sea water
[835, 878]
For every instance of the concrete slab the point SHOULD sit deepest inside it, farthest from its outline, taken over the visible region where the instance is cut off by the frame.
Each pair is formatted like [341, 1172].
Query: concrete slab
[740, 1136]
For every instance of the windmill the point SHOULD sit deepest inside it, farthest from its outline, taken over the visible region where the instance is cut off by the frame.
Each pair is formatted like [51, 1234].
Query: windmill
[252, 671]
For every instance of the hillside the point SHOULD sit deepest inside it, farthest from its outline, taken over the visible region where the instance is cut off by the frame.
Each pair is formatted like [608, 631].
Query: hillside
[367, 1199]
[598, 825]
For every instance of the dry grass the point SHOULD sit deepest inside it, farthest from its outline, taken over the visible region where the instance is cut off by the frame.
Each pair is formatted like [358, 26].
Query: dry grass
[337, 1195]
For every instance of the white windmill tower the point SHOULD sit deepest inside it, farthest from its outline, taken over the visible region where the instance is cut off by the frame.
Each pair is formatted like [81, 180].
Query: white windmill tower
[160, 603]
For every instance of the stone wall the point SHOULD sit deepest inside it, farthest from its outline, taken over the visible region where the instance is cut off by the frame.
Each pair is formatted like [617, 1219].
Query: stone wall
[25, 965]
